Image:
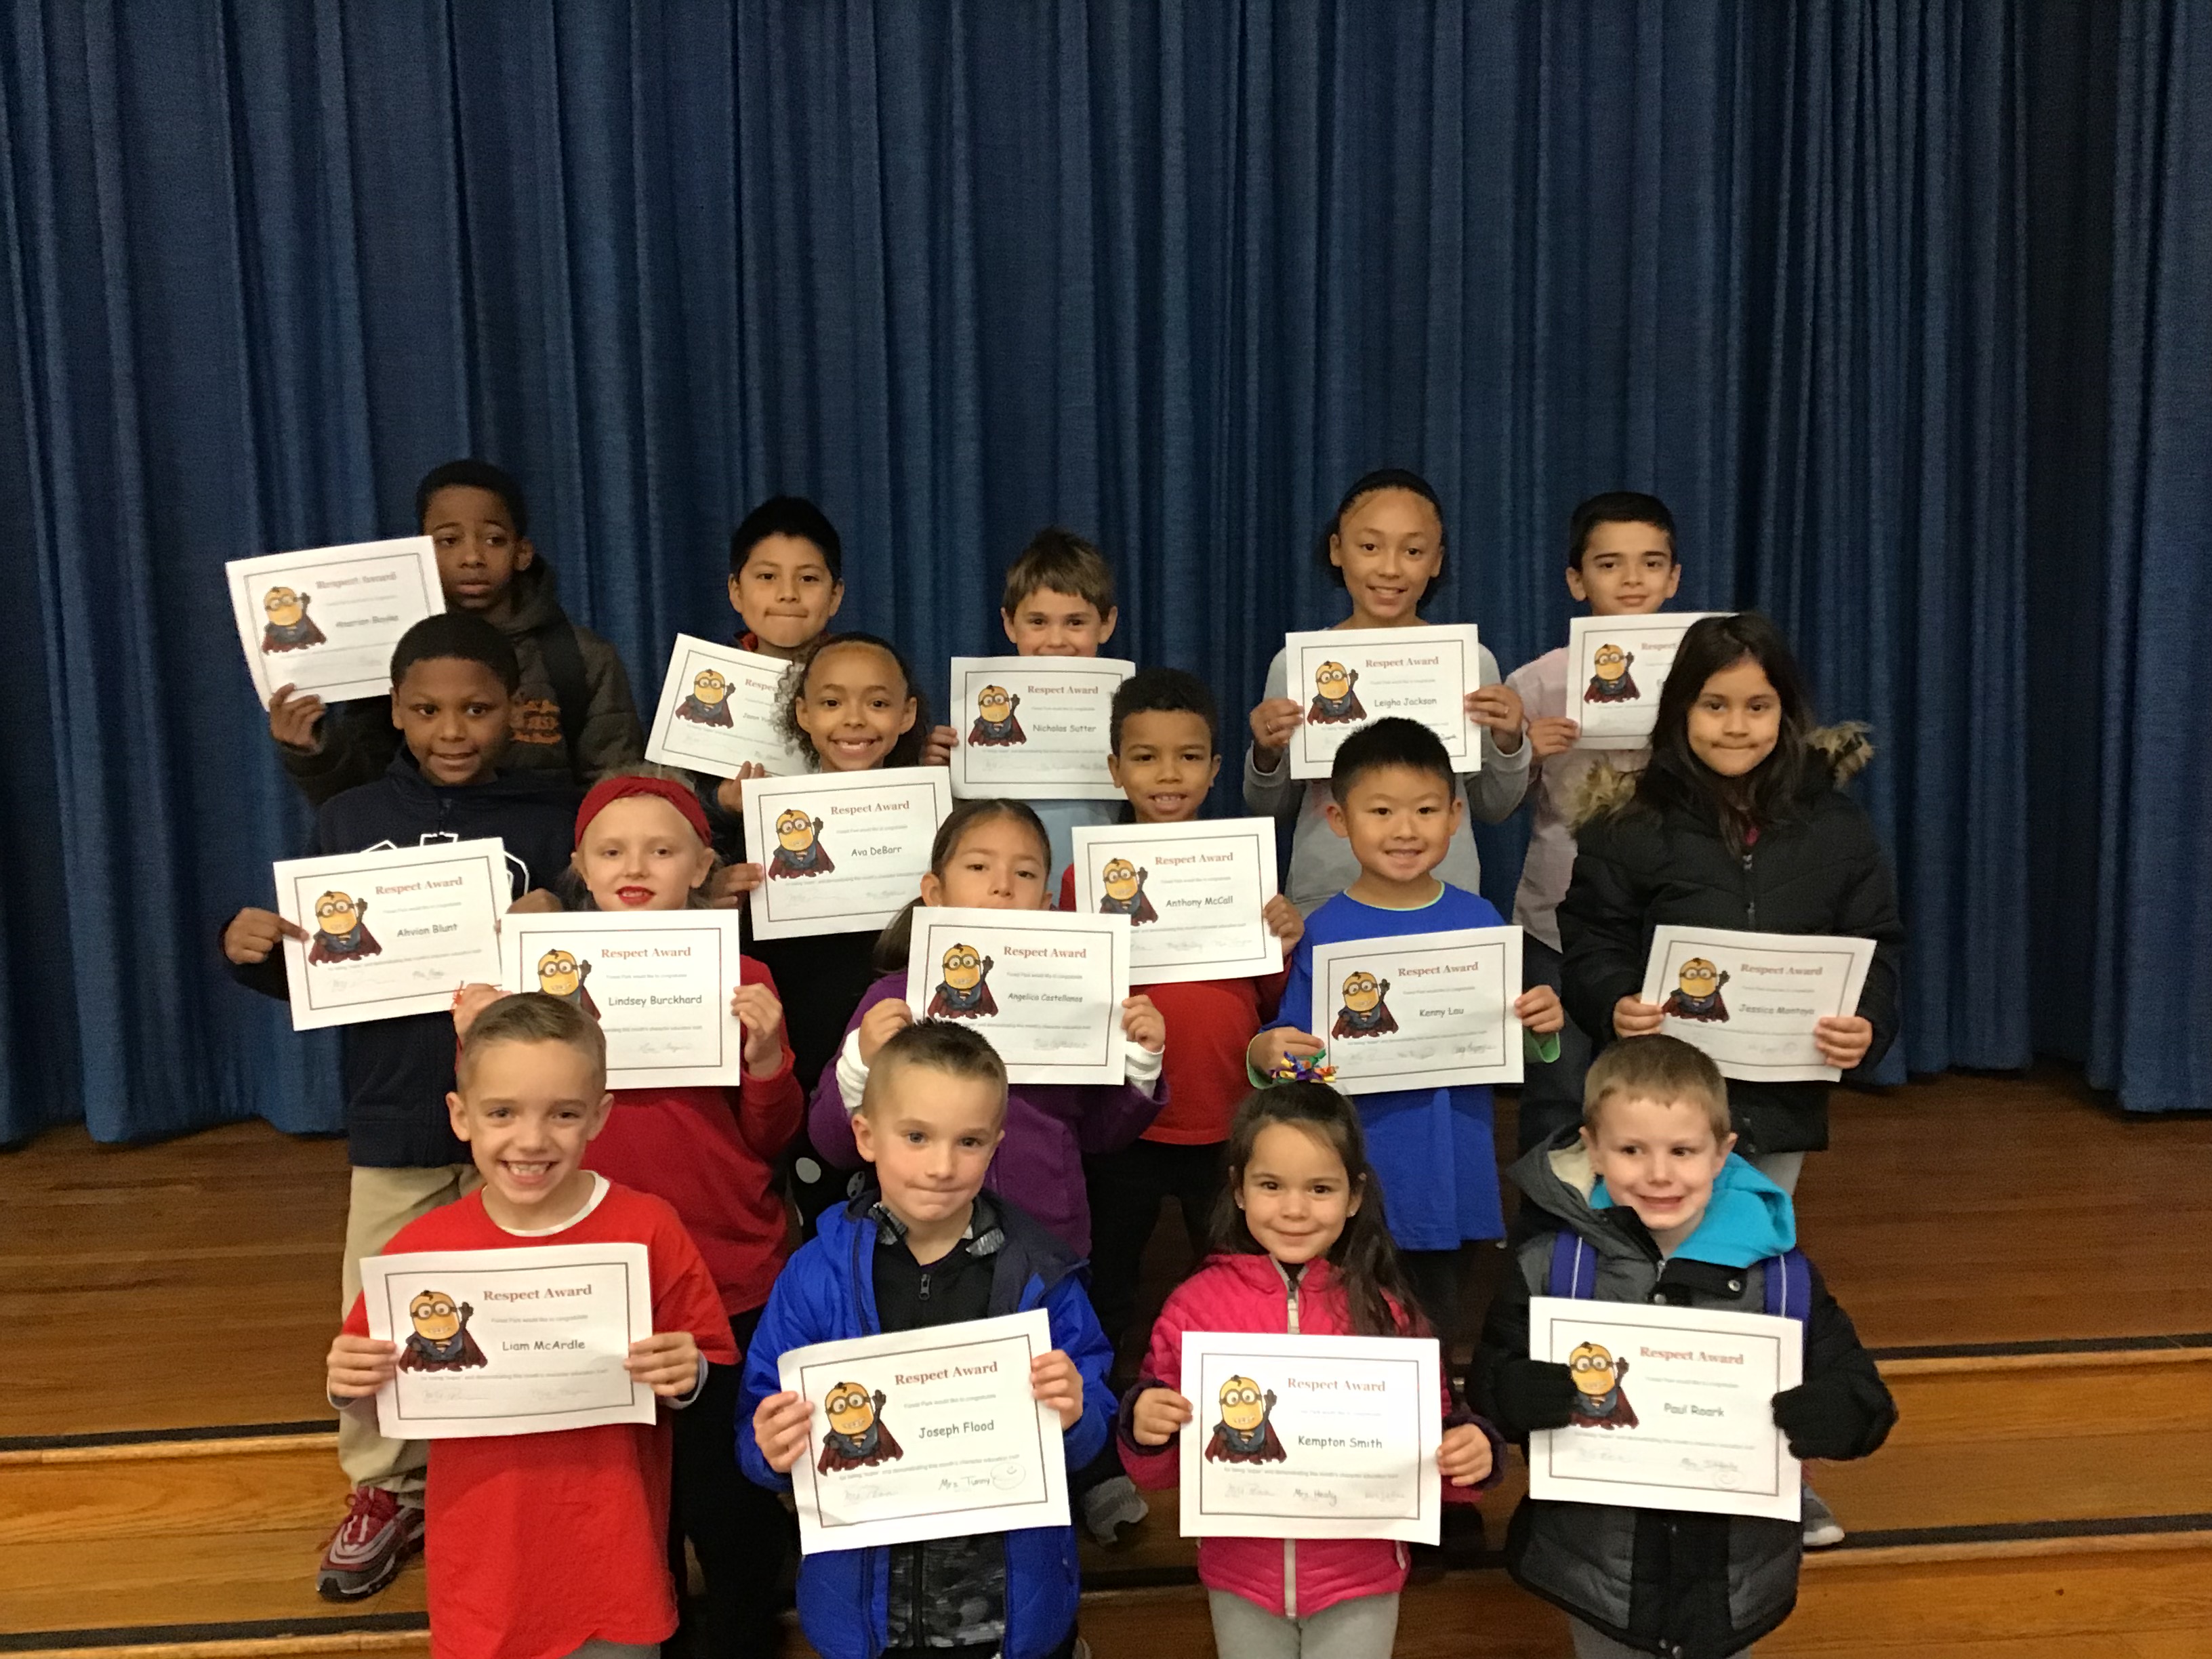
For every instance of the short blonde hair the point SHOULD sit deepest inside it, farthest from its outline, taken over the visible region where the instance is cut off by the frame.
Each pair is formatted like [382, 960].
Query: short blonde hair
[1662, 1068]
[534, 1016]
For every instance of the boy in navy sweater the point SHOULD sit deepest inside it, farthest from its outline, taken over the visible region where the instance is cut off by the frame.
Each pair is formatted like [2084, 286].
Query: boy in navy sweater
[453, 676]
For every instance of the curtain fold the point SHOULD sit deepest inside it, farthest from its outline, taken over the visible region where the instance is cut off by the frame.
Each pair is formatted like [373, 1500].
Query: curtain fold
[1172, 276]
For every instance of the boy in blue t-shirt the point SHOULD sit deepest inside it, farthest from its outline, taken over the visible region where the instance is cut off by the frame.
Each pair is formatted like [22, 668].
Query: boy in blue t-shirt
[1395, 800]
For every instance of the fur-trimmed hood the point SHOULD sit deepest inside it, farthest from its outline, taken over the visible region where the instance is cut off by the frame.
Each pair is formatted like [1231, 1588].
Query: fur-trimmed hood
[1605, 789]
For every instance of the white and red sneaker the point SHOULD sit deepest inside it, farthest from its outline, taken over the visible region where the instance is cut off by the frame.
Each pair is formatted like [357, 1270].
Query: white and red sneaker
[378, 1533]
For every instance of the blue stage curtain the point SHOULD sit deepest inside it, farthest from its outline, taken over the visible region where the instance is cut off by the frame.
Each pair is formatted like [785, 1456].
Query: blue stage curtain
[1172, 275]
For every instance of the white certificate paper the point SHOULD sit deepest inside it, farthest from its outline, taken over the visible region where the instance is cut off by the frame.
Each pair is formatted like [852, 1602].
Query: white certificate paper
[325, 619]
[1035, 728]
[391, 932]
[1344, 678]
[1750, 1001]
[1674, 1408]
[521, 1341]
[659, 982]
[1424, 1012]
[841, 852]
[1045, 988]
[1193, 892]
[719, 707]
[1311, 1436]
[925, 1434]
[1615, 668]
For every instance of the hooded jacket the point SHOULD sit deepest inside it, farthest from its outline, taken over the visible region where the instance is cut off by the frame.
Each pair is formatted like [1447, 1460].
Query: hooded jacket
[827, 1291]
[1819, 871]
[397, 1072]
[356, 740]
[1668, 1582]
[1246, 1293]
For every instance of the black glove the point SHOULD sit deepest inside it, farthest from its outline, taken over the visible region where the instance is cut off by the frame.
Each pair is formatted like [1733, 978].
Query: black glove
[1531, 1393]
[1836, 1417]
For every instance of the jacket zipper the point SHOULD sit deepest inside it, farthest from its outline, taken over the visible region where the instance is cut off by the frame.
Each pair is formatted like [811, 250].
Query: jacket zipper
[1290, 1545]
[1750, 895]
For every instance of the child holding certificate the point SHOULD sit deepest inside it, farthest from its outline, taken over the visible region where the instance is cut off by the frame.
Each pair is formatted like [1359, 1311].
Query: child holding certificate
[1649, 1188]
[1059, 602]
[642, 844]
[1385, 548]
[1397, 806]
[925, 1245]
[1621, 562]
[574, 715]
[1301, 1249]
[453, 676]
[547, 1543]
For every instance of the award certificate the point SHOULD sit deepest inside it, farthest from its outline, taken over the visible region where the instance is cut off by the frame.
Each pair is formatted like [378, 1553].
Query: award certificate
[324, 620]
[1045, 988]
[1038, 727]
[1423, 1011]
[659, 982]
[1615, 668]
[1193, 894]
[1751, 1000]
[719, 707]
[1346, 677]
[841, 852]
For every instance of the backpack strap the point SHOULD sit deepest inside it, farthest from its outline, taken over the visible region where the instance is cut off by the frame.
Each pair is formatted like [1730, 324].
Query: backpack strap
[1573, 1271]
[564, 665]
[1789, 1289]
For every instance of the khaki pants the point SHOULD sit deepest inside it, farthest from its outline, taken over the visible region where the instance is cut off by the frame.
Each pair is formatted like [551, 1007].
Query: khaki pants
[383, 1201]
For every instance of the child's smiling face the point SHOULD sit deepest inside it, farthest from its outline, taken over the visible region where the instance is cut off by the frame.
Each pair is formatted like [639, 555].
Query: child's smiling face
[640, 854]
[1165, 764]
[1050, 623]
[527, 1111]
[1627, 569]
[855, 706]
[1659, 1158]
[1390, 544]
[1295, 1194]
[453, 714]
[1400, 821]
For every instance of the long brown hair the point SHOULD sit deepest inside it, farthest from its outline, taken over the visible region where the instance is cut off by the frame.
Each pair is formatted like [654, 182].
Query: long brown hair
[1362, 1255]
[892, 943]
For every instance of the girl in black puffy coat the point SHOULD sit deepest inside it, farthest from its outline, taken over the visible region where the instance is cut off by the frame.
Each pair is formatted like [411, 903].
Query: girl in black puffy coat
[1740, 822]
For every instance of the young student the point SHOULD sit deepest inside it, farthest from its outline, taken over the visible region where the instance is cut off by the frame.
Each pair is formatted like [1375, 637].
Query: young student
[787, 581]
[642, 844]
[574, 714]
[452, 678]
[1059, 602]
[1740, 820]
[1397, 806]
[1165, 734]
[1648, 1185]
[552, 1543]
[1621, 562]
[1301, 1249]
[924, 1245]
[1385, 548]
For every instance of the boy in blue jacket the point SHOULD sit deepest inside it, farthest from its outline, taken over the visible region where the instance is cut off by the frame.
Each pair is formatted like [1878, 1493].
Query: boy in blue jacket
[929, 1247]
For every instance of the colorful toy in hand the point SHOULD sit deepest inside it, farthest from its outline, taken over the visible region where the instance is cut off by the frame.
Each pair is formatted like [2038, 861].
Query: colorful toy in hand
[1299, 1068]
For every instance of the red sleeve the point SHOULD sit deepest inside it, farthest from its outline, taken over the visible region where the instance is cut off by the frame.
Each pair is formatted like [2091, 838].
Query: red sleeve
[1068, 888]
[770, 1108]
[683, 1294]
[356, 1319]
[1156, 1467]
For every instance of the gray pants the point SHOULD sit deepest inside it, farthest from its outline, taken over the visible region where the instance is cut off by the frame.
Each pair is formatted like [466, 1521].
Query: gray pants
[596, 1649]
[1596, 1645]
[1363, 1627]
[1783, 1169]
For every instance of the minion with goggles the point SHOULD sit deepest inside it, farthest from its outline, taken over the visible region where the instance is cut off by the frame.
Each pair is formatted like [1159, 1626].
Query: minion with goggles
[1334, 702]
[1611, 681]
[798, 848]
[1599, 1401]
[995, 726]
[1697, 992]
[964, 993]
[856, 1438]
[441, 1339]
[1364, 1013]
[1124, 883]
[1246, 1432]
[289, 627]
[341, 935]
[709, 701]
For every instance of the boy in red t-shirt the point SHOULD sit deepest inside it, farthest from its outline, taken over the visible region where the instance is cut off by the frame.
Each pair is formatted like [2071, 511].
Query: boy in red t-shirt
[1165, 734]
[533, 1093]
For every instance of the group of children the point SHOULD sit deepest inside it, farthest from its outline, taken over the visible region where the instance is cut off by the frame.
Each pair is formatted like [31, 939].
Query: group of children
[928, 1189]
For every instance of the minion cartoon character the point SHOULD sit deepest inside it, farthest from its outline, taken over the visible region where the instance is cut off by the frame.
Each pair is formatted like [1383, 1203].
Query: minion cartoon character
[1244, 1434]
[1363, 1013]
[1697, 992]
[289, 627]
[709, 701]
[964, 993]
[341, 935]
[995, 726]
[1335, 703]
[798, 848]
[441, 1339]
[857, 1438]
[1124, 883]
[1599, 1401]
[1612, 682]
[562, 973]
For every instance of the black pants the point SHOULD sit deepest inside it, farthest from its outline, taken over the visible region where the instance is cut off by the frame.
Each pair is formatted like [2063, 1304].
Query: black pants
[977, 1651]
[1127, 1189]
[741, 1532]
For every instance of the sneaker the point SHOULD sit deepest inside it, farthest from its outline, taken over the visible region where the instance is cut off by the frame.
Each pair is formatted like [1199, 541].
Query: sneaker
[378, 1533]
[1822, 1529]
[1112, 1505]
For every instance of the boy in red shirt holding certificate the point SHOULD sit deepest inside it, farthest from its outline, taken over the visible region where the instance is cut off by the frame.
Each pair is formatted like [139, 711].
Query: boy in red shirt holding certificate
[533, 1093]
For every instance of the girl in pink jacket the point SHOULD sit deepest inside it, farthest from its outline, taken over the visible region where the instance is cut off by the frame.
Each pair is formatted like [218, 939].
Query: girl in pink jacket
[1302, 1249]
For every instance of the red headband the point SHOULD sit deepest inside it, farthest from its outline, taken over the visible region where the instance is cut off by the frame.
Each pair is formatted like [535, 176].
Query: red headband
[606, 793]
